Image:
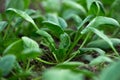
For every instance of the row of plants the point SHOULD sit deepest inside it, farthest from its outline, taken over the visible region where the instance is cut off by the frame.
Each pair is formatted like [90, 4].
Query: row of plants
[60, 39]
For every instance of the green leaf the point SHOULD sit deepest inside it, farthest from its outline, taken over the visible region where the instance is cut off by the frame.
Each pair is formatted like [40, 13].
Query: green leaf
[60, 54]
[19, 20]
[6, 64]
[14, 4]
[115, 10]
[55, 24]
[51, 5]
[63, 46]
[95, 7]
[69, 13]
[54, 28]
[74, 5]
[100, 20]
[77, 19]
[3, 24]
[87, 19]
[65, 41]
[100, 51]
[24, 48]
[24, 16]
[62, 23]
[100, 59]
[53, 18]
[48, 37]
[29, 43]
[89, 3]
[14, 48]
[61, 74]
[70, 65]
[104, 37]
[23, 4]
[30, 53]
[100, 43]
[112, 72]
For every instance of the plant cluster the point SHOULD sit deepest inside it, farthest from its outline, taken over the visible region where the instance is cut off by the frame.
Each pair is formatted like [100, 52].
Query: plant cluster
[60, 39]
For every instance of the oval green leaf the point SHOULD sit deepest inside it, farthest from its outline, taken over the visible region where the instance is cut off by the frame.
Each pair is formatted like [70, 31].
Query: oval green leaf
[100, 43]
[98, 50]
[61, 74]
[3, 24]
[74, 5]
[24, 16]
[55, 24]
[112, 72]
[6, 64]
[24, 48]
[65, 41]
[100, 20]
[48, 37]
[100, 59]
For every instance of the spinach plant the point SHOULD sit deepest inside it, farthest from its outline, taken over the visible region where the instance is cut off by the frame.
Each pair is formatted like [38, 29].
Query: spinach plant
[73, 41]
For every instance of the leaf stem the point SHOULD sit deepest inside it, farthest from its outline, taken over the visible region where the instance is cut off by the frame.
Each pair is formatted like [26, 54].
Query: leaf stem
[85, 40]
[55, 57]
[76, 52]
[28, 64]
[46, 62]
[117, 54]
[74, 43]
[35, 26]
[6, 32]
[116, 32]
